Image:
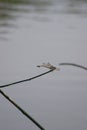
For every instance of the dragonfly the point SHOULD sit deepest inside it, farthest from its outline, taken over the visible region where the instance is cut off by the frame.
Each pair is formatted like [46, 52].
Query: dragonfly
[49, 66]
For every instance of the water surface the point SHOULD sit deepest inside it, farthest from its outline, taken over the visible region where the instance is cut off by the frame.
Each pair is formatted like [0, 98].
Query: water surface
[37, 31]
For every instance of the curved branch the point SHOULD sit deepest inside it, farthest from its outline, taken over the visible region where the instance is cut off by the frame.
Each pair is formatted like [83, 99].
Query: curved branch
[76, 65]
[25, 80]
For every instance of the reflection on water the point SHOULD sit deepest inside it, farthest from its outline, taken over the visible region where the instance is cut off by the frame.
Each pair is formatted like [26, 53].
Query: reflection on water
[10, 10]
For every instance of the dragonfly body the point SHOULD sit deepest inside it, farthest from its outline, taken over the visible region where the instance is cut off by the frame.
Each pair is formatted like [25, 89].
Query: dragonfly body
[49, 66]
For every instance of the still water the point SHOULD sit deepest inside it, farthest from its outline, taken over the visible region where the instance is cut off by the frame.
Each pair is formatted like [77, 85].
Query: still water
[37, 31]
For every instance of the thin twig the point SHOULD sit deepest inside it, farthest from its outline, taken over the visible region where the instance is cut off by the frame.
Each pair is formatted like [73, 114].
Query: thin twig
[25, 80]
[76, 65]
[21, 110]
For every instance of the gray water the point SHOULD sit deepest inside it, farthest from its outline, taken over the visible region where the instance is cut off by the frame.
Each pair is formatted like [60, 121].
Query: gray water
[37, 31]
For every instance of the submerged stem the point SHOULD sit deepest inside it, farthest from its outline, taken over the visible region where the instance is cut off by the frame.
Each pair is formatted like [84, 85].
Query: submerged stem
[22, 111]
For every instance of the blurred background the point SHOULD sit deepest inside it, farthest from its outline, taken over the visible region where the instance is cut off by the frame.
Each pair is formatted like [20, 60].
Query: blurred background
[37, 31]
